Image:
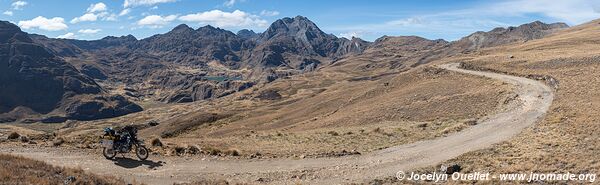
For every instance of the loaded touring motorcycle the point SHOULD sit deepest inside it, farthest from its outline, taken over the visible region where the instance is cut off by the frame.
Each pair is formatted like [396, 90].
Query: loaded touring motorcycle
[122, 141]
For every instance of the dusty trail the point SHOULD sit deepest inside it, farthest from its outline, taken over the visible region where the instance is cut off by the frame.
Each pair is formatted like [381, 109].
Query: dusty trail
[534, 98]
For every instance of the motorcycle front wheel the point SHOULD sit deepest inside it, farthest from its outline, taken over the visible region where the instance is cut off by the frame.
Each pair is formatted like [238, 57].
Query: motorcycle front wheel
[141, 152]
[109, 153]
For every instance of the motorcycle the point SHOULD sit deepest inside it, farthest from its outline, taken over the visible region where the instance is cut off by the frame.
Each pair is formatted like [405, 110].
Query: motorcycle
[122, 142]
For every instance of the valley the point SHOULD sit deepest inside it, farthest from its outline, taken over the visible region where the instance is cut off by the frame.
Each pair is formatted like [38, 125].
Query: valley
[535, 99]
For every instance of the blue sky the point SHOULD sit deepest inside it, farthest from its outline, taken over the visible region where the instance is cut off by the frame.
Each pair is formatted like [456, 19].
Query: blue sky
[450, 20]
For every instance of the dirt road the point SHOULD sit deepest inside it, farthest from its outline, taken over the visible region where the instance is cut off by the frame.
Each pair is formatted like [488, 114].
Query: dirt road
[534, 99]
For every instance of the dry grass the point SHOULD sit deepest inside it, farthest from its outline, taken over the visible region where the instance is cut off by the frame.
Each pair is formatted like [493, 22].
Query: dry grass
[190, 122]
[19, 170]
[314, 117]
[566, 139]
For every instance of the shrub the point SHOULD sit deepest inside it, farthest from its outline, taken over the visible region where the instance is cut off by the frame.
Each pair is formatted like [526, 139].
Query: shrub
[179, 150]
[24, 139]
[212, 151]
[333, 133]
[156, 142]
[14, 135]
[193, 149]
[232, 152]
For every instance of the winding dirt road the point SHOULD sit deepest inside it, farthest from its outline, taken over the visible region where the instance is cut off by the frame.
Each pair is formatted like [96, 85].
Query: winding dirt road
[534, 99]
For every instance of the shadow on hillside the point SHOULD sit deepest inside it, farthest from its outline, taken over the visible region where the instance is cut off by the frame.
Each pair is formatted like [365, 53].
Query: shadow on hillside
[133, 163]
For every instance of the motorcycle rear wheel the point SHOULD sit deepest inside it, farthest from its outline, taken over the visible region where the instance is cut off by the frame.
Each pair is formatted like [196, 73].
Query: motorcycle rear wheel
[141, 152]
[109, 153]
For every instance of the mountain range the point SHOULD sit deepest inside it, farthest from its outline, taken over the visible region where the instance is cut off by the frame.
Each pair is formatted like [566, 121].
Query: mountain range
[53, 80]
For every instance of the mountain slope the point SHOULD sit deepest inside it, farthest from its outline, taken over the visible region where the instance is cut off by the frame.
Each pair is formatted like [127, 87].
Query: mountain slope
[501, 36]
[37, 82]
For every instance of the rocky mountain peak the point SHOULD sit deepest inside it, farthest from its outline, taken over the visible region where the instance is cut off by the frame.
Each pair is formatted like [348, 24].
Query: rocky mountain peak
[297, 26]
[182, 27]
[246, 34]
[207, 28]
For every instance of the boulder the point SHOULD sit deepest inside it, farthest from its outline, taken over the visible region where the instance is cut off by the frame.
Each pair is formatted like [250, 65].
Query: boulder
[13, 135]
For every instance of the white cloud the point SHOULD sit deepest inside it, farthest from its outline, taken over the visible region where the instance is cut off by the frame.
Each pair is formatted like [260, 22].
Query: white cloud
[269, 13]
[8, 12]
[412, 21]
[67, 36]
[18, 5]
[94, 12]
[349, 35]
[89, 31]
[133, 3]
[98, 7]
[125, 11]
[219, 18]
[84, 18]
[111, 17]
[53, 24]
[156, 21]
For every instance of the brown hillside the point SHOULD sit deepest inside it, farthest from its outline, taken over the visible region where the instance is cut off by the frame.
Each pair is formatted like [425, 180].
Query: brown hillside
[567, 138]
